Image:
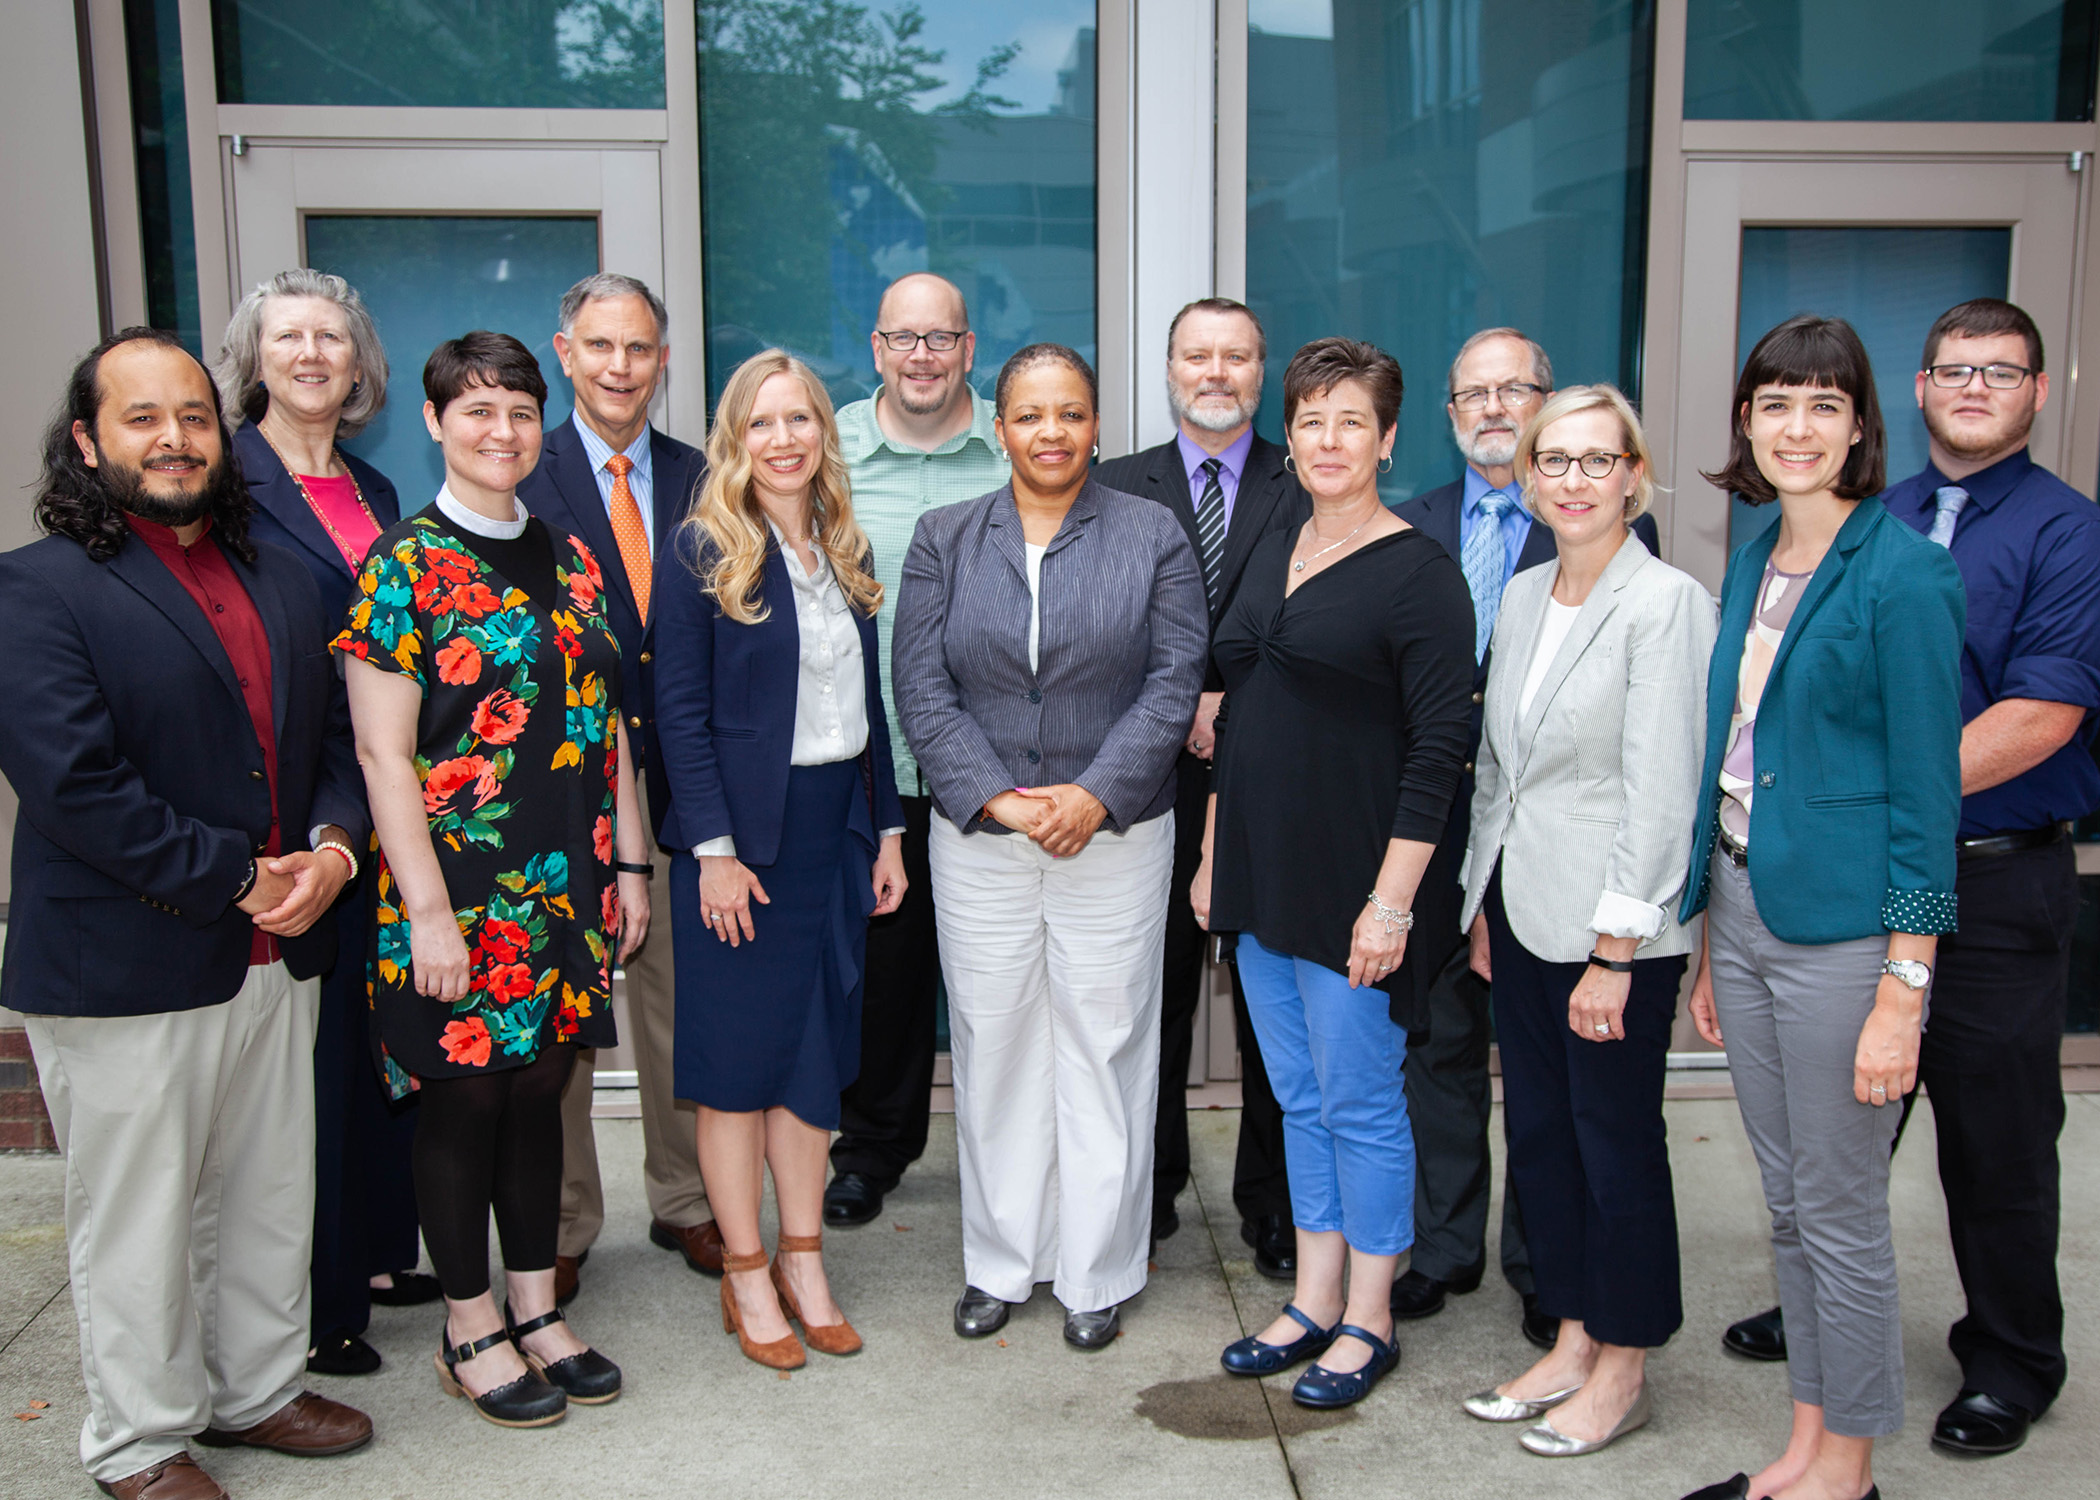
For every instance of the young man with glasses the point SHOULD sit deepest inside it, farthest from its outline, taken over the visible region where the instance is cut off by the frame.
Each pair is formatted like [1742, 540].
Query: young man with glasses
[923, 440]
[1497, 382]
[2028, 546]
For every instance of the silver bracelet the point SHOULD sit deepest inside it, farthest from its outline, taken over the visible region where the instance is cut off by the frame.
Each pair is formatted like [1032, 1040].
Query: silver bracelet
[1391, 918]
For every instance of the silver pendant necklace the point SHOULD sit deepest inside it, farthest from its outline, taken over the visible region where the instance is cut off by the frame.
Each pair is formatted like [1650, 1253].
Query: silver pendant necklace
[1299, 566]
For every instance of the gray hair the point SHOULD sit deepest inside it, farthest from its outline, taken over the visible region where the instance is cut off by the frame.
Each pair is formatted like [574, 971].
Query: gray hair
[1541, 367]
[238, 369]
[603, 287]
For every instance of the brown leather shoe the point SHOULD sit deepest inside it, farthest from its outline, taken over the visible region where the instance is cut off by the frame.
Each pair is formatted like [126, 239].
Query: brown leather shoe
[568, 1278]
[176, 1478]
[309, 1426]
[701, 1245]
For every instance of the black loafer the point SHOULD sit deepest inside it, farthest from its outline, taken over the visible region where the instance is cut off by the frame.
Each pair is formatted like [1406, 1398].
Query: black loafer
[1093, 1330]
[851, 1200]
[1737, 1488]
[978, 1314]
[410, 1289]
[1542, 1332]
[1762, 1337]
[342, 1354]
[1274, 1241]
[1419, 1296]
[1978, 1425]
[1165, 1221]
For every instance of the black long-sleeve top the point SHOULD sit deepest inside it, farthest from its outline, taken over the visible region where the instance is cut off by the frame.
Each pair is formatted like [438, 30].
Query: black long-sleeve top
[1347, 707]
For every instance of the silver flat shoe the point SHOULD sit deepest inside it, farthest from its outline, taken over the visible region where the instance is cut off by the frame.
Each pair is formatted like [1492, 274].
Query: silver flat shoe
[1548, 1442]
[1492, 1406]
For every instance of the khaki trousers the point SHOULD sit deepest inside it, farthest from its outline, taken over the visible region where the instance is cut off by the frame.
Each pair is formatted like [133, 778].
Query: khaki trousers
[185, 1132]
[670, 1159]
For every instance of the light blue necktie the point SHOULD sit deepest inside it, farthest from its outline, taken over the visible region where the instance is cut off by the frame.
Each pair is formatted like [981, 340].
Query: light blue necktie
[1947, 502]
[1486, 563]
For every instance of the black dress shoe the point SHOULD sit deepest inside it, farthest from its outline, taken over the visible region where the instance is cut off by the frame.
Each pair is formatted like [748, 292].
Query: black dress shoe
[1419, 1296]
[1761, 1337]
[978, 1314]
[1728, 1489]
[1542, 1331]
[1274, 1241]
[1978, 1425]
[852, 1199]
[1093, 1330]
[1164, 1222]
[342, 1354]
[410, 1289]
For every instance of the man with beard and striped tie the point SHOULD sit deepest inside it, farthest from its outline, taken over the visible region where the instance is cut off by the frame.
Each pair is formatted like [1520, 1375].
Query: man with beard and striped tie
[1228, 488]
[1498, 381]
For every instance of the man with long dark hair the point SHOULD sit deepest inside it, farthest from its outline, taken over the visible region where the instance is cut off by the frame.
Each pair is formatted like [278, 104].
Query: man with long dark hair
[190, 806]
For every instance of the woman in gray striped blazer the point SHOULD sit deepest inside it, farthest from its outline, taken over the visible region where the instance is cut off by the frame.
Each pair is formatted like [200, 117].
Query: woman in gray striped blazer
[1050, 646]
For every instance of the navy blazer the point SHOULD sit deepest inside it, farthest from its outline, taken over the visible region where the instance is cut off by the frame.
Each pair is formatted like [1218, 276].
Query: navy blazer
[1122, 643]
[563, 492]
[1269, 499]
[725, 710]
[1858, 745]
[141, 781]
[282, 517]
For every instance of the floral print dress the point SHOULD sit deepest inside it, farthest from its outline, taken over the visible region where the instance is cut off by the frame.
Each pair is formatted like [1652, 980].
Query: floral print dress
[518, 755]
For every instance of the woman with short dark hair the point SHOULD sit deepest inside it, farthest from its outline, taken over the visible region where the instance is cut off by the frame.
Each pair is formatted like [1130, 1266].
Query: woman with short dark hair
[484, 686]
[1823, 857]
[1348, 666]
[1048, 659]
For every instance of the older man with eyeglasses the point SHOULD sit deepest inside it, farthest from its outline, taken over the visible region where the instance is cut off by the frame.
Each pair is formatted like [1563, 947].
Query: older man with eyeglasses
[923, 440]
[1497, 383]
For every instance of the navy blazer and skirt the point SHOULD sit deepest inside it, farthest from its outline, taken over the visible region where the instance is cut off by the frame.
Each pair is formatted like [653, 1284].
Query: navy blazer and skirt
[775, 1021]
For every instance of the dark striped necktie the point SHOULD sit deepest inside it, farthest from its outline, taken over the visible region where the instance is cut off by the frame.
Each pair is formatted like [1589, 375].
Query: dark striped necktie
[1210, 526]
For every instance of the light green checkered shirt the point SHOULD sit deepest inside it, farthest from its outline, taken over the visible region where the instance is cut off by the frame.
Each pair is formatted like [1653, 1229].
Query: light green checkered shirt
[893, 486]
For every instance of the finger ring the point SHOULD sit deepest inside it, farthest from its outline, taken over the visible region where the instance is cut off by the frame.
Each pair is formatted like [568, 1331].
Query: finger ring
[1877, 1089]
[1604, 1028]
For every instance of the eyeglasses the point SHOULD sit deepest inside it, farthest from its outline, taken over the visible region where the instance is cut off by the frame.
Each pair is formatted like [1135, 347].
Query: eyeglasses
[1997, 377]
[1596, 465]
[1516, 393]
[903, 340]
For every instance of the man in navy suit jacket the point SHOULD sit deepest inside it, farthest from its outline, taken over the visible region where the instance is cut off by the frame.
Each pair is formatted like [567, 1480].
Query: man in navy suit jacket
[1215, 349]
[190, 808]
[608, 476]
[1498, 380]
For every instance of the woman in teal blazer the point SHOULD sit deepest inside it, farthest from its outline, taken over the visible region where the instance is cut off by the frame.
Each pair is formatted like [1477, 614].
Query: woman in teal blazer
[1824, 860]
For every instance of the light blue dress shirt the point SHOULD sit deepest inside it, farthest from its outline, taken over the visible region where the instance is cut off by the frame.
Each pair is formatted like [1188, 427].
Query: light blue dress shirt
[1516, 521]
[598, 450]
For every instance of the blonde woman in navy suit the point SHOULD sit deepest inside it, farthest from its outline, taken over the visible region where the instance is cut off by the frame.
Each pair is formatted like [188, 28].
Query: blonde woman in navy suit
[769, 714]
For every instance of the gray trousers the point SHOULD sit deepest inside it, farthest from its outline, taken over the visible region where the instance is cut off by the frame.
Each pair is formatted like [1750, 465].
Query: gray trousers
[1791, 1016]
[189, 1144]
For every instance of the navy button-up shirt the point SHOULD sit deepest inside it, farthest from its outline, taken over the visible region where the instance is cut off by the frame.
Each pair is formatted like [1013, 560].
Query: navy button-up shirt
[2028, 546]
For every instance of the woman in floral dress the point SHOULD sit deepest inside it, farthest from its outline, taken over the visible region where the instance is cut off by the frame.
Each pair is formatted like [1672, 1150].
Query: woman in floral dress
[483, 682]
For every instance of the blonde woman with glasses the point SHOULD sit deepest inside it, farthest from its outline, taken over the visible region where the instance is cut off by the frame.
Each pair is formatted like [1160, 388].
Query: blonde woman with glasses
[769, 711]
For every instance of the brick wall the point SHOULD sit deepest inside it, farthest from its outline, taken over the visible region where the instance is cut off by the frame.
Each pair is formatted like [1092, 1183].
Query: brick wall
[23, 1124]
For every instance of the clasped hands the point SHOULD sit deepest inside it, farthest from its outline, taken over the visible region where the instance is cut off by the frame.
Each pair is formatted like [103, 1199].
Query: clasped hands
[1060, 818]
[293, 891]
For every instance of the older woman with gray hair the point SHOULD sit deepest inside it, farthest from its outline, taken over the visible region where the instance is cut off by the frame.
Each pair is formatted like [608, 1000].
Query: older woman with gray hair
[300, 370]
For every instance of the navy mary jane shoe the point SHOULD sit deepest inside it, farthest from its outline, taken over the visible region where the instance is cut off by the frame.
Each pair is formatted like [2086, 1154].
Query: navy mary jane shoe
[1249, 1356]
[1322, 1387]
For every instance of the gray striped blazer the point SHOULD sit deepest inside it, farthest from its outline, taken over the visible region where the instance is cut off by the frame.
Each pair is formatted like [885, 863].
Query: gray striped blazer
[1123, 641]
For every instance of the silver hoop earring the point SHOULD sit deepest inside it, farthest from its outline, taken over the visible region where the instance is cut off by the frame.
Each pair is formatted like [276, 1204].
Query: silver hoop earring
[1387, 466]
[1289, 467]
[1097, 450]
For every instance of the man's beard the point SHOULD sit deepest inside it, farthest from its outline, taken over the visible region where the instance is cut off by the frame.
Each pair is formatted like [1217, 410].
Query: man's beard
[125, 488]
[1211, 419]
[1983, 447]
[1488, 448]
[923, 408]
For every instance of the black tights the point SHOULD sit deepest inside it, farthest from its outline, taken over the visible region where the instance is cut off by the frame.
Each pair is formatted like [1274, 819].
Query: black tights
[491, 1140]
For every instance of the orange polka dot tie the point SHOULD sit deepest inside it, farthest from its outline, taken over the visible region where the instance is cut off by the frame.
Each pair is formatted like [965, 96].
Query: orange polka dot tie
[629, 532]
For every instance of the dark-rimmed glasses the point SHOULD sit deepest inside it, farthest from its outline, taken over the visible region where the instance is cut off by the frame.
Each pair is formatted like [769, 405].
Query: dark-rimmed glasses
[1997, 377]
[1596, 465]
[1516, 393]
[940, 340]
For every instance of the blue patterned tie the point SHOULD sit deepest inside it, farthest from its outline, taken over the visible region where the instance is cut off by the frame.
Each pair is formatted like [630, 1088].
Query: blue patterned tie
[1947, 502]
[1485, 562]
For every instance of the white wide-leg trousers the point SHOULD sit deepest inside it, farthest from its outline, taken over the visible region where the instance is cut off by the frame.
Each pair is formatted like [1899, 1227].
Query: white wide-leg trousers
[1053, 975]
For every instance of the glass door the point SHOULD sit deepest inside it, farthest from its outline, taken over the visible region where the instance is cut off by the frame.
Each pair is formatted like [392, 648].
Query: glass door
[440, 241]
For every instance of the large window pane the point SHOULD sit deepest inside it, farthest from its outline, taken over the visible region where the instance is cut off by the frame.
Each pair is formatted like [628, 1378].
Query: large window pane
[160, 140]
[1887, 283]
[427, 279]
[1417, 171]
[842, 147]
[1889, 60]
[545, 54]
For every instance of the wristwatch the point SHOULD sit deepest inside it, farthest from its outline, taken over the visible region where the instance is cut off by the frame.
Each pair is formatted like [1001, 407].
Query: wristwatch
[1914, 974]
